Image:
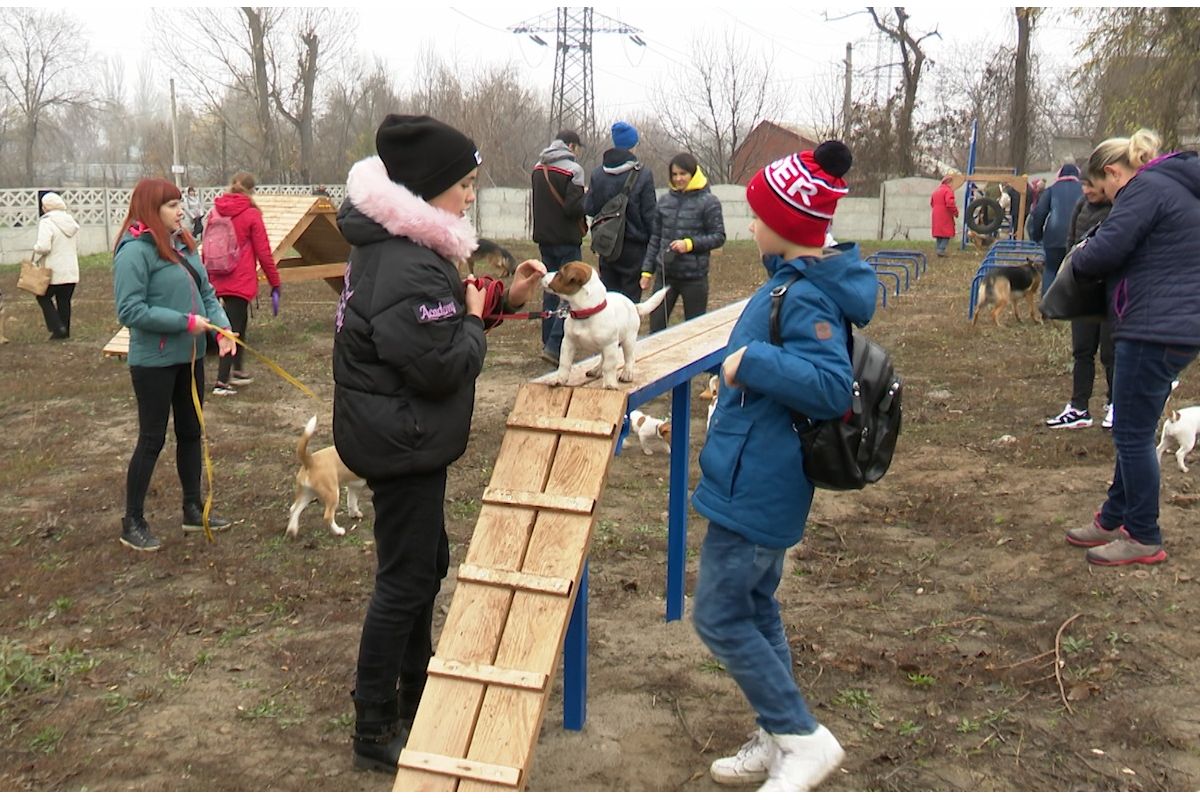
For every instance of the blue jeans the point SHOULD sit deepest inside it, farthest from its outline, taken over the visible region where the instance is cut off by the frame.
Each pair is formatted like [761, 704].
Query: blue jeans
[737, 617]
[1142, 375]
[942, 241]
[1054, 258]
[554, 256]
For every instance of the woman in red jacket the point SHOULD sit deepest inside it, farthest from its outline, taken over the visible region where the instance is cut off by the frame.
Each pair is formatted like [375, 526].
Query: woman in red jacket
[237, 288]
[944, 212]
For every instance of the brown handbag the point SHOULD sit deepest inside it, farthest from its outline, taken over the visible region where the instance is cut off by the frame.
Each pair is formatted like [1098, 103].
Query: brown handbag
[34, 279]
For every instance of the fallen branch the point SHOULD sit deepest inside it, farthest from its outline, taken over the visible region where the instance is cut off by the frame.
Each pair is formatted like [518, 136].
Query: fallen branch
[1029, 660]
[1062, 692]
[953, 624]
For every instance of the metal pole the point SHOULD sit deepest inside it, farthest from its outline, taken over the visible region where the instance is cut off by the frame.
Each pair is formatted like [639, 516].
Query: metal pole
[846, 96]
[969, 185]
[174, 139]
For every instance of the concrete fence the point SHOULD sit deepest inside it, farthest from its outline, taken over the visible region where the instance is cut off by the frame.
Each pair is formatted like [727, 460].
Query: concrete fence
[901, 211]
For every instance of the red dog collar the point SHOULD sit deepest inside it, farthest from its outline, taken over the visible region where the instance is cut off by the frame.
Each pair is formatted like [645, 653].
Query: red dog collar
[590, 312]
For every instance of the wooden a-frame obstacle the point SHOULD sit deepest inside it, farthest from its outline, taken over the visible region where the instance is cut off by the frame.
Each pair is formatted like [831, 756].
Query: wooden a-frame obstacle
[305, 242]
[488, 686]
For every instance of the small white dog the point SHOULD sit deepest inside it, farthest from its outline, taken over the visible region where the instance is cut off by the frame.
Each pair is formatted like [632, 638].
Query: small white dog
[321, 476]
[710, 394]
[649, 431]
[1180, 428]
[600, 320]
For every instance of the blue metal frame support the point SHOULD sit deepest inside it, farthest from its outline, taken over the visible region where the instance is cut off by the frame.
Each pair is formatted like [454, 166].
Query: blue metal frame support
[969, 184]
[575, 649]
[681, 418]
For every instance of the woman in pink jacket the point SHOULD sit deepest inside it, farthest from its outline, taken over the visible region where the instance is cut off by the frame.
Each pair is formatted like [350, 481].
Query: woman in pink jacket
[944, 212]
[237, 288]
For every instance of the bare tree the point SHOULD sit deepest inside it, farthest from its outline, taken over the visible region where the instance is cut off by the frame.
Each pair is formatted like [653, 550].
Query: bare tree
[912, 62]
[711, 106]
[319, 35]
[1026, 17]
[40, 55]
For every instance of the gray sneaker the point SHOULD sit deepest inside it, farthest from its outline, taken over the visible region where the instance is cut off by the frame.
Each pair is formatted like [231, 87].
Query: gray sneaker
[135, 533]
[1125, 551]
[1093, 535]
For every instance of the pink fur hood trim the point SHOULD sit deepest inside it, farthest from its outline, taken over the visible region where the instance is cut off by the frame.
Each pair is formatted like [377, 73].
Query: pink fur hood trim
[402, 213]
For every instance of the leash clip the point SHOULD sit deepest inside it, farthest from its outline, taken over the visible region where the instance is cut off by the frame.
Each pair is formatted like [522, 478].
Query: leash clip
[562, 312]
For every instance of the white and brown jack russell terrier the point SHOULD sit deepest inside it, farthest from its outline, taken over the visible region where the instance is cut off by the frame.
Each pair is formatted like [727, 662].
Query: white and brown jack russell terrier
[322, 475]
[651, 431]
[598, 321]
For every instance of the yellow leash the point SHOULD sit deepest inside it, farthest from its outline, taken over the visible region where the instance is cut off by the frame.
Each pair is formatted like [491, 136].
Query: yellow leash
[208, 467]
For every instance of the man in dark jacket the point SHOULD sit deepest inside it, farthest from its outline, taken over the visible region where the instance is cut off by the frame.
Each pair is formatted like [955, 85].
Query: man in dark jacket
[558, 221]
[1051, 218]
[623, 274]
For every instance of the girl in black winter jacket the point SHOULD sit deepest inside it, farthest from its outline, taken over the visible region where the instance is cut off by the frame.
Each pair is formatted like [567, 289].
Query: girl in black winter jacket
[687, 226]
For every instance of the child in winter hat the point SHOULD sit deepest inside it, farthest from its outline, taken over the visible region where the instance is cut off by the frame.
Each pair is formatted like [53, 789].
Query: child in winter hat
[797, 195]
[423, 154]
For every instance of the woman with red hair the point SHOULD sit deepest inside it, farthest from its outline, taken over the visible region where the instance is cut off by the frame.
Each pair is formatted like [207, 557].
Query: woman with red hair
[163, 296]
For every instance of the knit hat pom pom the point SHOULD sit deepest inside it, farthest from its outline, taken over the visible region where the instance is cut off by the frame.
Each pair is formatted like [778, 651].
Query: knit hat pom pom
[834, 157]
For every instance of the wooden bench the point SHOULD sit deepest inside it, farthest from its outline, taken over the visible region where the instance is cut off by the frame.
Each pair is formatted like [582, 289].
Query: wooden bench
[524, 578]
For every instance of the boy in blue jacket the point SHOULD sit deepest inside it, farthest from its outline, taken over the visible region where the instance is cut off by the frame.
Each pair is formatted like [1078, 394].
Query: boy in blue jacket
[753, 488]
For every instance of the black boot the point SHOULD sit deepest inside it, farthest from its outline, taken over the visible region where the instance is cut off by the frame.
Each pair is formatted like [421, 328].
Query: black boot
[135, 533]
[193, 519]
[379, 735]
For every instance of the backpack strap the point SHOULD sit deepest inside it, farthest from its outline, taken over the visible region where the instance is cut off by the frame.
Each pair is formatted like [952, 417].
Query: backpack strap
[633, 173]
[777, 295]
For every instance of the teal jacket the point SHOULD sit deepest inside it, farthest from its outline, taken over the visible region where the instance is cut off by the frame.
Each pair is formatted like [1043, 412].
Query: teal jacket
[752, 479]
[154, 298]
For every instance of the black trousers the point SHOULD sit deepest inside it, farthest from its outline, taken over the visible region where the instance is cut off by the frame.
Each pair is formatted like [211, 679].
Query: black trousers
[238, 311]
[56, 307]
[413, 555]
[1086, 339]
[160, 391]
[624, 274]
[694, 293]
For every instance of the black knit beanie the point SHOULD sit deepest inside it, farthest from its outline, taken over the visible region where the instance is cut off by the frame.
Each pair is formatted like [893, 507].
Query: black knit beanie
[424, 155]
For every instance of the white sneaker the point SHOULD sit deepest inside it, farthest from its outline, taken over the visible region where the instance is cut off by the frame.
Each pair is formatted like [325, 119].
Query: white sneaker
[802, 762]
[751, 763]
[1071, 418]
[1108, 417]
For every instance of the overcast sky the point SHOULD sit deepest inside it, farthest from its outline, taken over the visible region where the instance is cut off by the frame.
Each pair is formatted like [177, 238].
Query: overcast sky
[804, 46]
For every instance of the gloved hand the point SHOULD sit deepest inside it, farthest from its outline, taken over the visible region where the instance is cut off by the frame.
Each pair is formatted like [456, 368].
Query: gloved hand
[275, 302]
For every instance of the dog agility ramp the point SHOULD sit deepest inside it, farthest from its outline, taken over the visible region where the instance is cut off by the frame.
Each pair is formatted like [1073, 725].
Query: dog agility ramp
[489, 683]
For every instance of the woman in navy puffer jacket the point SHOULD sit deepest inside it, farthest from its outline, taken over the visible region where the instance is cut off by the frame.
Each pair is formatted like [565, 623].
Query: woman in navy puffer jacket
[1148, 254]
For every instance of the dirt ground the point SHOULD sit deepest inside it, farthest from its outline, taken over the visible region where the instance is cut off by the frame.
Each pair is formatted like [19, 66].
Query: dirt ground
[923, 611]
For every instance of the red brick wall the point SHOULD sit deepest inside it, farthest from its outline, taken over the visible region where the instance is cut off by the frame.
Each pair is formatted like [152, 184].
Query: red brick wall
[766, 143]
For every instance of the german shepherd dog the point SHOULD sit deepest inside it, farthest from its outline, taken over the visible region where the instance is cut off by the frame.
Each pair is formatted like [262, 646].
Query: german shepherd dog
[498, 262]
[1008, 284]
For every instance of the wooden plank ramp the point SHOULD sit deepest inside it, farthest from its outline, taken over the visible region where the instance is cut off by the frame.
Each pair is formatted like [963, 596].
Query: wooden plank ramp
[488, 686]
[486, 696]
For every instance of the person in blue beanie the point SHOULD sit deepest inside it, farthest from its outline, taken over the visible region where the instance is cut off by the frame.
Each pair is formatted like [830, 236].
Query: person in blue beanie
[1051, 219]
[624, 273]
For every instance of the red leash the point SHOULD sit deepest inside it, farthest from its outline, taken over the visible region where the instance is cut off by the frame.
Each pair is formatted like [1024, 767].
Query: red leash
[493, 303]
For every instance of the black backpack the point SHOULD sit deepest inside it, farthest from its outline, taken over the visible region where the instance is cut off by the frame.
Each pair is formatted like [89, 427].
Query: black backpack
[850, 452]
[608, 226]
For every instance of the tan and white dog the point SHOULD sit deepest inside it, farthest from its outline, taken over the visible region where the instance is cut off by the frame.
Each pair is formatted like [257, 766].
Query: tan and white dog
[322, 475]
[650, 430]
[1180, 428]
[599, 321]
